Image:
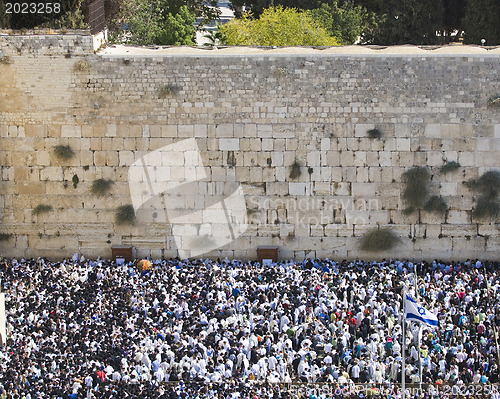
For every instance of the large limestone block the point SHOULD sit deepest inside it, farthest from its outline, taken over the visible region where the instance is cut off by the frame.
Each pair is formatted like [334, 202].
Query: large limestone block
[458, 217]
[226, 144]
[297, 188]
[458, 230]
[71, 131]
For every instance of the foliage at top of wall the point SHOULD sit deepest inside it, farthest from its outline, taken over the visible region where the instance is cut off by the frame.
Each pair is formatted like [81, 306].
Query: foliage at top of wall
[379, 239]
[277, 26]
[416, 188]
[488, 188]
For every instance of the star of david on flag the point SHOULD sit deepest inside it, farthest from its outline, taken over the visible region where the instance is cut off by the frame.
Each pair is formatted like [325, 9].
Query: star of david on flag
[415, 312]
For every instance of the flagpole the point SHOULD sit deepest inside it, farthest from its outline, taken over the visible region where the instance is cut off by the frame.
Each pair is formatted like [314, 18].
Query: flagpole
[403, 371]
[419, 336]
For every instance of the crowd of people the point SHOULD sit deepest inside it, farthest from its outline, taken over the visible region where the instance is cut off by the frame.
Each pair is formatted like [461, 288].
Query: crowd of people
[229, 329]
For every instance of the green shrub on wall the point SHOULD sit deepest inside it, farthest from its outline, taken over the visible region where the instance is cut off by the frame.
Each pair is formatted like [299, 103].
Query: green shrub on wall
[494, 102]
[5, 60]
[488, 188]
[379, 239]
[63, 152]
[416, 188]
[168, 91]
[41, 208]
[125, 214]
[436, 204]
[295, 171]
[101, 187]
[5, 236]
[449, 167]
[374, 133]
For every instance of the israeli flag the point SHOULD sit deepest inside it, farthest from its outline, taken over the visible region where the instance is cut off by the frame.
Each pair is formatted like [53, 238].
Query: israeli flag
[415, 312]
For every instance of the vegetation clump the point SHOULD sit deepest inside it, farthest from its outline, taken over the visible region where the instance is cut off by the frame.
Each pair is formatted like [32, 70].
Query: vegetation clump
[416, 189]
[374, 133]
[436, 204]
[101, 187]
[488, 187]
[168, 91]
[5, 236]
[276, 26]
[449, 167]
[81, 66]
[5, 60]
[125, 214]
[41, 208]
[494, 102]
[295, 170]
[75, 181]
[63, 152]
[379, 239]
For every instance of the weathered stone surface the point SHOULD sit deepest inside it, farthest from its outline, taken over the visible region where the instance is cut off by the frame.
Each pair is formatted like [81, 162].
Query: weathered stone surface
[248, 132]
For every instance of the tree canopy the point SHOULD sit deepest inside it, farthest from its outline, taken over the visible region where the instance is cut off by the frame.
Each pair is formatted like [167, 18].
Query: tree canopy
[277, 26]
[482, 21]
[345, 23]
[384, 22]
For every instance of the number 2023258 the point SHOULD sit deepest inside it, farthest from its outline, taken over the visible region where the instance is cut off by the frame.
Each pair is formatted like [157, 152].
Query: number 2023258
[32, 8]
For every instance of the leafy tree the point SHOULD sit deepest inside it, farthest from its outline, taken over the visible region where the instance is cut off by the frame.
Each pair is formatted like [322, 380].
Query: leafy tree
[409, 22]
[482, 21]
[149, 23]
[258, 6]
[346, 23]
[178, 29]
[453, 15]
[277, 26]
[214, 37]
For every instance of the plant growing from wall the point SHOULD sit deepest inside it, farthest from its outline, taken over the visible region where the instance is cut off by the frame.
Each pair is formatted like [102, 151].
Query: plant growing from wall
[449, 167]
[379, 239]
[101, 187]
[5, 60]
[252, 211]
[5, 236]
[168, 91]
[374, 133]
[416, 188]
[436, 204]
[494, 102]
[488, 187]
[75, 181]
[281, 72]
[125, 214]
[63, 152]
[295, 170]
[81, 66]
[41, 208]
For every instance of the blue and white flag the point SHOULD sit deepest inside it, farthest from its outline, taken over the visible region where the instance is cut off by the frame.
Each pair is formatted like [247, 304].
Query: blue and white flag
[415, 312]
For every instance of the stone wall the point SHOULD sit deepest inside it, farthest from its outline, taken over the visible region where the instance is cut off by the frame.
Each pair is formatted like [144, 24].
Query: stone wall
[215, 126]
